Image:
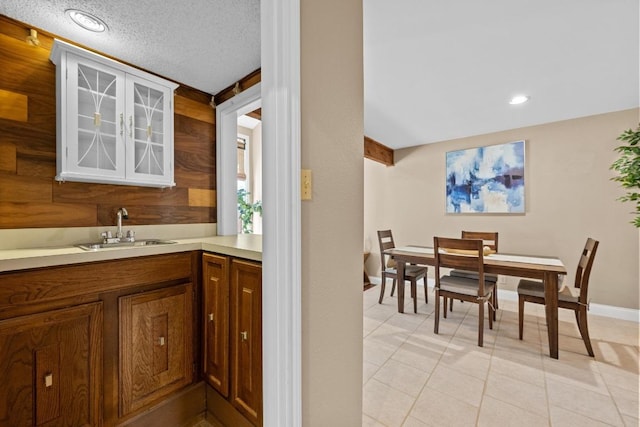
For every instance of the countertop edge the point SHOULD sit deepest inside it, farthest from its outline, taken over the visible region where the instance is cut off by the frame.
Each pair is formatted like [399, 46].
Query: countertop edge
[242, 246]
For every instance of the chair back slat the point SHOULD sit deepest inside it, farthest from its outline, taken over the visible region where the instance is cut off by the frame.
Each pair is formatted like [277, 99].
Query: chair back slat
[466, 254]
[489, 238]
[385, 240]
[584, 268]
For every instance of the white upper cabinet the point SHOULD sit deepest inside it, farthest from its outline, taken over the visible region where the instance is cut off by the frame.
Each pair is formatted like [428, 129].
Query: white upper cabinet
[115, 122]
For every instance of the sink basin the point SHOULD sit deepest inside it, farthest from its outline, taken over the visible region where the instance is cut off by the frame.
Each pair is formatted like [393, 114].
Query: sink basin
[143, 242]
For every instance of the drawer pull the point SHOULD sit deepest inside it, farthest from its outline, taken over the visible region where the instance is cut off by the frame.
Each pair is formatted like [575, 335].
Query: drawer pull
[244, 335]
[210, 317]
[48, 380]
[161, 341]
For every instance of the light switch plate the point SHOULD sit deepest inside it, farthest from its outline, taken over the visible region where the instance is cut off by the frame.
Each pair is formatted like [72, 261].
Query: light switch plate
[305, 184]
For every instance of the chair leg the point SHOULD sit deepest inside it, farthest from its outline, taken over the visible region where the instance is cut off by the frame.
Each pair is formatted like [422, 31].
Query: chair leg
[444, 306]
[414, 291]
[494, 298]
[450, 304]
[491, 314]
[393, 286]
[480, 323]
[581, 317]
[520, 315]
[436, 321]
[382, 285]
[426, 291]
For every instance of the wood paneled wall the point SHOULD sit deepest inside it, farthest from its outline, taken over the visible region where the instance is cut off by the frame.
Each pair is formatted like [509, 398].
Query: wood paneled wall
[29, 195]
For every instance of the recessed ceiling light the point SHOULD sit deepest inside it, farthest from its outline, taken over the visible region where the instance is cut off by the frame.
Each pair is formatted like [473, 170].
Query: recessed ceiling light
[519, 99]
[86, 20]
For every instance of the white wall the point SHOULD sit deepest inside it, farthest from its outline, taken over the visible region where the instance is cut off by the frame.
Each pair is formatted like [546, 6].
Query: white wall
[569, 197]
[332, 147]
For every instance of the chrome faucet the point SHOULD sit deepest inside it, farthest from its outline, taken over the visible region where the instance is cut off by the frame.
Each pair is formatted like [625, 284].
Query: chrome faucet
[122, 214]
[108, 237]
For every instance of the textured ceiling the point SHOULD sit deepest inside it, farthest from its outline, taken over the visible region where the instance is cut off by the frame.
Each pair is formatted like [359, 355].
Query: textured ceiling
[433, 70]
[206, 44]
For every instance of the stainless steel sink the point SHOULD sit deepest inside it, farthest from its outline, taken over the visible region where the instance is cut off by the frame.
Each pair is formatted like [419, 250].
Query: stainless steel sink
[142, 242]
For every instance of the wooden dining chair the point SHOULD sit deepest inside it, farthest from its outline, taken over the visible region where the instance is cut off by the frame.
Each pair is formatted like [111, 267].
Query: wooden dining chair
[490, 240]
[412, 273]
[533, 291]
[464, 254]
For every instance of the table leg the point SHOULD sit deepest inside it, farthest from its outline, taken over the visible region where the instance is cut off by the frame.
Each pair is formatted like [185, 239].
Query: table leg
[551, 309]
[400, 265]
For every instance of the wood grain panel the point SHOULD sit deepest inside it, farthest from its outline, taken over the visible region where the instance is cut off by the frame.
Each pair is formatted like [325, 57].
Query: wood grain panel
[30, 142]
[47, 381]
[155, 327]
[246, 339]
[28, 151]
[22, 189]
[37, 215]
[187, 107]
[188, 178]
[378, 152]
[80, 192]
[25, 67]
[246, 82]
[140, 215]
[193, 130]
[8, 159]
[13, 106]
[72, 335]
[215, 333]
[54, 283]
[27, 165]
[20, 31]
[198, 197]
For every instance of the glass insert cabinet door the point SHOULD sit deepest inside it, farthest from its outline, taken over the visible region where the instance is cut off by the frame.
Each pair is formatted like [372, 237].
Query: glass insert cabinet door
[96, 120]
[114, 122]
[148, 147]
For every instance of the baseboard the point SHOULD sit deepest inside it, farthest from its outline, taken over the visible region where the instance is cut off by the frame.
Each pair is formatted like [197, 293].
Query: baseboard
[220, 412]
[183, 408]
[614, 312]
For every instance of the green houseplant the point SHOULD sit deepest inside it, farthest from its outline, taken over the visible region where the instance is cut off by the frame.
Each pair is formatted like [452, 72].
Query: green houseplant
[628, 168]
[246, 210]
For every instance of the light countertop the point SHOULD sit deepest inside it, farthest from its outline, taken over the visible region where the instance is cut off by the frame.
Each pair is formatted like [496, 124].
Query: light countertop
[248, 246]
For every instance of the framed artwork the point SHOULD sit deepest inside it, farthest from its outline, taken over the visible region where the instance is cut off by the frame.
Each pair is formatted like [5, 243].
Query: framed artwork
[486, 179]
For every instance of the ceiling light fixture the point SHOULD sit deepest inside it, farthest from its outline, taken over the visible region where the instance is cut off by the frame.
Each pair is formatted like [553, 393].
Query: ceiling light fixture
[86, 20]
[519, 99]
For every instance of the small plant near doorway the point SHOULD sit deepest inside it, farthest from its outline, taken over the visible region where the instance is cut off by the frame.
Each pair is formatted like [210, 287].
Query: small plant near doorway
[246, 210]
[628, 168]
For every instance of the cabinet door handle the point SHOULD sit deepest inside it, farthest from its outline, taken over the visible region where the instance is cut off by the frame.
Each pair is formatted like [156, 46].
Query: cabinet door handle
[244, 335]
[131, 127]
[121, 124]
[161, 341]
[210, 317]
[48, 380]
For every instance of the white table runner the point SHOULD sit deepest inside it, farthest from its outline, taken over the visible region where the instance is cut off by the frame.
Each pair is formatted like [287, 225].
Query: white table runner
[417, 249]
[497, 257]
[526, 259]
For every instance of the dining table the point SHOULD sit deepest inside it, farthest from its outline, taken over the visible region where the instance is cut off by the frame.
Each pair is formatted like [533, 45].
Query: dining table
[544, 268]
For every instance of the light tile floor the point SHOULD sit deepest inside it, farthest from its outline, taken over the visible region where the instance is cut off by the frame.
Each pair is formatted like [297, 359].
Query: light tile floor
[413, 377]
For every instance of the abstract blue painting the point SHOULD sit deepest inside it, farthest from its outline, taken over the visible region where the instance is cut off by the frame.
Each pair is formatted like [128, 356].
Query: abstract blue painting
[486, 179]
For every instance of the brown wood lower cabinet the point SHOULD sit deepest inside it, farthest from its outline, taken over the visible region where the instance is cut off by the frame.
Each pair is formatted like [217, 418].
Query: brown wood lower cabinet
[232, 332]
[155, 345]
[105, 343]
[51, 366]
